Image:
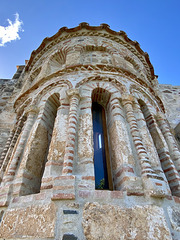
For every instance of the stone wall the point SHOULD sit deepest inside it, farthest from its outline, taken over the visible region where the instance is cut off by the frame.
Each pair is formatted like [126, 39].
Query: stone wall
[171, 100]
[7, 114]
[9, 90]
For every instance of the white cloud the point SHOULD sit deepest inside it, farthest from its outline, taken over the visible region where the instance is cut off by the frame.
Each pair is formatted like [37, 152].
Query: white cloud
[10, 33]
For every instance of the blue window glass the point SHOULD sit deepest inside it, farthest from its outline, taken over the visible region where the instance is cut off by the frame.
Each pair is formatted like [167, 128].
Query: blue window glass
[100, 164]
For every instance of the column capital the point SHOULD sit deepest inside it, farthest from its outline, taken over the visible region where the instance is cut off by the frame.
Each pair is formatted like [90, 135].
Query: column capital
[128, 97]
[73, 92]
[31, 109]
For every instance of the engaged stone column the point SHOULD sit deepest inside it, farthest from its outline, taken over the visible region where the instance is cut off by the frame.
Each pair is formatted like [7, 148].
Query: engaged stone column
[153, 184]
[146, 136]
[123, 163]
[54, 165]
[6, 148]
[10, 145]
[141, 151]
[153, 142]
[173, 149]
[71, 134]
[163, 152]
[10, 173]
[85, 165]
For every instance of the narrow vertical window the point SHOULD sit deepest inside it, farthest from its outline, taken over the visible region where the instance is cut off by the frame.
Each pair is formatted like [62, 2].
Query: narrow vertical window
[100, 151]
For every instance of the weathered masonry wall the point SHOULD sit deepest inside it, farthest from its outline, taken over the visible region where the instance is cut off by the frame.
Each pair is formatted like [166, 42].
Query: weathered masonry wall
[49, 165]
[7, 114]
[9, 90]
[171, 100]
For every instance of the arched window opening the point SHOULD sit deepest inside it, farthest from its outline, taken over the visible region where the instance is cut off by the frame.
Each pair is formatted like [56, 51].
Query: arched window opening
[102, 168]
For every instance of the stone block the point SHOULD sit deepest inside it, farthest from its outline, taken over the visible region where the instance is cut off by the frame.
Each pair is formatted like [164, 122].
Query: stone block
[30, 222]
[113, 222]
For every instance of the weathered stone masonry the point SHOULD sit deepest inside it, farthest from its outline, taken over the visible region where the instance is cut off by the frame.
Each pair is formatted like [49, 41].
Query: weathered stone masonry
[49, 185]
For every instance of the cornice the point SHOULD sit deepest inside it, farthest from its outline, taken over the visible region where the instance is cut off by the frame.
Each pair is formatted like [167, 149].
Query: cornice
[133, 46]
[24, 96]
[85, 68]
[98, 70]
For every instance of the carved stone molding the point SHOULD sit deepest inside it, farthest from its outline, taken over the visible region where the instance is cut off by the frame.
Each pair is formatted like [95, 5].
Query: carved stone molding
[133, 46]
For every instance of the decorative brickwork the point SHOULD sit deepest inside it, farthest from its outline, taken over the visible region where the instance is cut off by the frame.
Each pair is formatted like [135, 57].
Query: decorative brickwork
[48, 171]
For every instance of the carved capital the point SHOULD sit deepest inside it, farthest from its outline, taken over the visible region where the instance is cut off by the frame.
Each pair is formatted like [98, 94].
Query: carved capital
[74, 92]
[127, 98]
[31, 109]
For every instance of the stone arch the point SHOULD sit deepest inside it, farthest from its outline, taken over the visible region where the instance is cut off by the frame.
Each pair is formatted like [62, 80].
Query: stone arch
[101, 96]
[118, 140]
[110, 84]
[37, 91]
[150, 96]
[139, 94]
[60, 87]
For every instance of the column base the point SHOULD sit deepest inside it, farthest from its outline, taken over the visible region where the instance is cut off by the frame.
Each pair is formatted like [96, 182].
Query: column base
[64, 188]
[132, 185]
[52, 170]
[126, 180]
[155, 187]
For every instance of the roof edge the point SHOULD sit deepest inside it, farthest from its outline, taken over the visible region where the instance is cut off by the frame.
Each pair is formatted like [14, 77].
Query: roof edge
[94, 28]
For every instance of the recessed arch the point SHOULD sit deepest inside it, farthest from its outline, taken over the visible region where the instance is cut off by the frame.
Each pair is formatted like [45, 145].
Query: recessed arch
[161, 147]
[56, 61]
[36, 151]
[47, 91]
[108, 83]
[148, 97]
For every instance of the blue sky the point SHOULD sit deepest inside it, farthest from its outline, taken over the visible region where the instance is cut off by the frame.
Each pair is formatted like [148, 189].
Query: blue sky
[155, 24]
